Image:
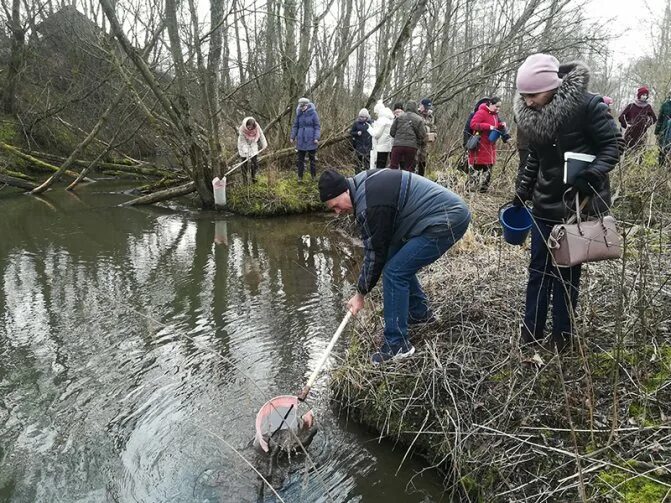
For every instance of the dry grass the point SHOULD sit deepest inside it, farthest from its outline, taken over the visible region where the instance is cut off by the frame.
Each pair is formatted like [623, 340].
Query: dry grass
[505, 424]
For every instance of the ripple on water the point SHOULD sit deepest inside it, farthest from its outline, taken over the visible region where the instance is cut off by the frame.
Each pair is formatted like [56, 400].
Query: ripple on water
[136, 357]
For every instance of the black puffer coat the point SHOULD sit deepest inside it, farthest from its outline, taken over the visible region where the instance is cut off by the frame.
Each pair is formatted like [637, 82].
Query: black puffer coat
[574, 121]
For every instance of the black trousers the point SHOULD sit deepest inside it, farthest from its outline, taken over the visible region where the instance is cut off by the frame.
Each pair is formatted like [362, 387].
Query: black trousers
[250, 168]
[381, 161]
[300, 162]
[362, 162]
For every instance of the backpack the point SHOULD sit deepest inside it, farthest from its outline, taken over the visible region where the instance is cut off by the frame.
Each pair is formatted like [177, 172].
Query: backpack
[468, 132]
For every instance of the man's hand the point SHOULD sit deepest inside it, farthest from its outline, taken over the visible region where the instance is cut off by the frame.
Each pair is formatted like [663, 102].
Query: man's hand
[316, 142]
[356, 303]
[291, 140]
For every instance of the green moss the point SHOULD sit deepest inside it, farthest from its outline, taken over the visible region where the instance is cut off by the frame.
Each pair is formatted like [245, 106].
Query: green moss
[8, 131]
[662, 375]
[502, 375]
[268, 197]
[633, 489]
[642, 414]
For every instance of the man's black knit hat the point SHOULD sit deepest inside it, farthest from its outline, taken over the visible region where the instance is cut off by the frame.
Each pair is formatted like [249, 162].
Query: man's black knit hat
[331, 184]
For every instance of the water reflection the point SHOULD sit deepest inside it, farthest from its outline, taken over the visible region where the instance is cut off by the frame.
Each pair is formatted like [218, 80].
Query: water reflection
[127, 336]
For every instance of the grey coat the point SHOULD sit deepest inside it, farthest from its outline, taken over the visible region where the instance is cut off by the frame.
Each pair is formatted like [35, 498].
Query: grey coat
[408, 129]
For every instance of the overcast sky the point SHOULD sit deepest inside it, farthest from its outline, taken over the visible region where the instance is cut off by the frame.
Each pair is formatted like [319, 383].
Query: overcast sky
[631, 21]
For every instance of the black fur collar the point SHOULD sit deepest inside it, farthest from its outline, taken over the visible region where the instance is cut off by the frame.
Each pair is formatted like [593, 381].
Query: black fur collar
[541, 126]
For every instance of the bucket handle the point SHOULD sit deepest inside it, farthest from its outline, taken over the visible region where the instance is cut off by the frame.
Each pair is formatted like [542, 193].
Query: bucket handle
[505, 206]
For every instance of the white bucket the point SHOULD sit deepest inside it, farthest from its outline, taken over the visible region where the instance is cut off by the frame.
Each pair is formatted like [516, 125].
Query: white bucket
[219, 188]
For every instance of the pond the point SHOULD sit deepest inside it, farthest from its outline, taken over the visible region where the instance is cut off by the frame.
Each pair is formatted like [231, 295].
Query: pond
[137, 345]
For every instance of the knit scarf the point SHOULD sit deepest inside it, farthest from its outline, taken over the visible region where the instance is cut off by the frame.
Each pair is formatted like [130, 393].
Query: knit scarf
[251, 135]
[640, 103]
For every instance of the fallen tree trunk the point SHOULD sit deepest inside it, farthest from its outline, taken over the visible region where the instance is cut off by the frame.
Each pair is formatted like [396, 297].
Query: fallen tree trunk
[162, 184]
[35, 161]
[162, 195]
[17, 174]
[143, 169]
[15, 182]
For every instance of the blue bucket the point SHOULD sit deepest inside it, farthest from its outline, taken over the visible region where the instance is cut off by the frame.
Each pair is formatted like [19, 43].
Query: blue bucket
[494, 135]
[516, 222]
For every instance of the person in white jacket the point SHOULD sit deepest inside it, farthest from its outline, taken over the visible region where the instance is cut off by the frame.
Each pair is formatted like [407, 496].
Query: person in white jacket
[382, 140]
[251, 141]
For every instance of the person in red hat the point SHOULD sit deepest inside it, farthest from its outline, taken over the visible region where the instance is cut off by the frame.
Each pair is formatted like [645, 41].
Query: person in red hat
[636, 118]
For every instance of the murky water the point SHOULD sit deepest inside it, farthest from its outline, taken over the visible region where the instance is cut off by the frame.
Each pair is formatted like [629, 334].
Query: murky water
[137, 345]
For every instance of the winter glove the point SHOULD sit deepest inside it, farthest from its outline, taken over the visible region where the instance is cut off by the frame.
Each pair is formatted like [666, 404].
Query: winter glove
[583, 186]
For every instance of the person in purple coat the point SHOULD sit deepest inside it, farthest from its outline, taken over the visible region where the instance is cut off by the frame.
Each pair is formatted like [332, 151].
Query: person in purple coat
[636, 118]
[305, 133]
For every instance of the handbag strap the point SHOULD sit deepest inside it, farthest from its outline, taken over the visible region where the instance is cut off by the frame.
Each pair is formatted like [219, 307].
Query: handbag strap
[579, 206]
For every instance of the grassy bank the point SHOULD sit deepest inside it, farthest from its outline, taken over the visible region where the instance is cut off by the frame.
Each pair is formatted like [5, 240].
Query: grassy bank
[512, 425]
[275, 193]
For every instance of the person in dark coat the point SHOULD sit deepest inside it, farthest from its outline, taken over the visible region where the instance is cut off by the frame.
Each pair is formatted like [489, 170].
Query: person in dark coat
[522, 151]
[661, 130]
[557, 114]
[407, 222]
[305, 133]
[409, 133]
[362, 141]
[636, 118]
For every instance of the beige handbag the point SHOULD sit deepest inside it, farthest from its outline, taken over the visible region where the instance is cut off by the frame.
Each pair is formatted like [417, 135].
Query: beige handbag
[590, 241]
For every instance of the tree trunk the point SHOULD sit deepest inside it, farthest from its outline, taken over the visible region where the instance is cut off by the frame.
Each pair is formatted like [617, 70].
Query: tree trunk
[16, 182]
[213, 82]
[238, 47]
[179, 112]
[304, 50]
[397, 49]
[289, 56]
[343, 45]
[163, 195]
[34, 161]
[15, 60]
[360, 74]
[271, 36]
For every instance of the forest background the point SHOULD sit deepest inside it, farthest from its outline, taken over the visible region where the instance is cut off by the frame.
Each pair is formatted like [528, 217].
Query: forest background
[160, 87]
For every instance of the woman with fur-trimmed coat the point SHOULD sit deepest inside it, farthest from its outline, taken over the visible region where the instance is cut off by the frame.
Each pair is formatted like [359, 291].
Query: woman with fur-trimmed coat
[305, 134]
[557, 114]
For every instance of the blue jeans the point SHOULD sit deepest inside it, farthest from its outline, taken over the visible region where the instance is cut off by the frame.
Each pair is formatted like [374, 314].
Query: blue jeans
[545, 281]
[403, 295]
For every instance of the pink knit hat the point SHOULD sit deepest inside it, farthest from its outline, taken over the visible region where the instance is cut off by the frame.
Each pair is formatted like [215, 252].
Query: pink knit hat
[538, 74]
